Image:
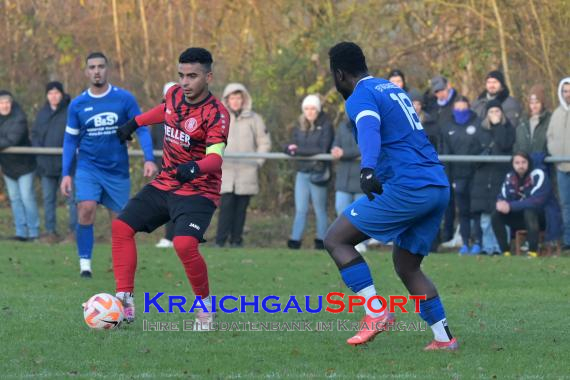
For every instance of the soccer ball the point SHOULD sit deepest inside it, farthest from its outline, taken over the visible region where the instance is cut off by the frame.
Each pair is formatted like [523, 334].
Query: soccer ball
[103, 312]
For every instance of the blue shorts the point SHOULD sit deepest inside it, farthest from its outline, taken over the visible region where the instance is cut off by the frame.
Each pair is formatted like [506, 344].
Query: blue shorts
[109, 190]
[409, 218]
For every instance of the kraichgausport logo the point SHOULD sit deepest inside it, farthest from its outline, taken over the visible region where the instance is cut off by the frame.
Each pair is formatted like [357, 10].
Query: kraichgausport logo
[333, 302]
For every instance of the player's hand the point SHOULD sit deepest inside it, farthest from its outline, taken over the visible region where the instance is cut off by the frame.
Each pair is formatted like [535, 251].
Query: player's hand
[66, 186]
[150, 169]
[125, 131]
[369, 184]
[187, 172]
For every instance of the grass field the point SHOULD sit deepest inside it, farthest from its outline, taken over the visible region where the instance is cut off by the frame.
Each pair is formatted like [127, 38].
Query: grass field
[510, 315]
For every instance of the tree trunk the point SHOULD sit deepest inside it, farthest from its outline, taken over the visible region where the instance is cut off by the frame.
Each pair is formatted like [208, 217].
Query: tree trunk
[118, 41]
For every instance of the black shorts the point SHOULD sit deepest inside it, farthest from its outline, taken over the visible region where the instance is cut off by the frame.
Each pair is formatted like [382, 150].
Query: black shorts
[151, 208]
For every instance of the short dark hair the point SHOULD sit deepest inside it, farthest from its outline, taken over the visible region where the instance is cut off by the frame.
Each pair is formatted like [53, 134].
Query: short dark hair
[462, 98]
[96, 54]
[197, 55]
[348, 57]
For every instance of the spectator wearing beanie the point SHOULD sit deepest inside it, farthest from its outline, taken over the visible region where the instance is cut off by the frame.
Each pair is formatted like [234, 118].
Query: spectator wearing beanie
[48, 131]
[18, 169]
[460, 139]
[496, 89]
[496, 136]
[531, 132]
[311, 134]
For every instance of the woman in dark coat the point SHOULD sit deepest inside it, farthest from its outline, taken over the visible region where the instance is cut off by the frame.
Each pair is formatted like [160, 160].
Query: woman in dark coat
[496, 136]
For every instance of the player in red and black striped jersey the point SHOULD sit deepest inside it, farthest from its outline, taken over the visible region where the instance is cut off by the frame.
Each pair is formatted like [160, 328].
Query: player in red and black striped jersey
[187, 190]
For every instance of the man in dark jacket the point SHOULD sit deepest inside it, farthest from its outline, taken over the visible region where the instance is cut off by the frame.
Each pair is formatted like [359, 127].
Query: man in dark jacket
[496, 89]
[440, 107]
[18, 169]
[460, 139]
[48, 131]
[527, 201]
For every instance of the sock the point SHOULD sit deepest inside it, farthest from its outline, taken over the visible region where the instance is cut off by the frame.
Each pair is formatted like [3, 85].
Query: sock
[368, 293]
[433, 313]
[85, 265]
[84, 240]
[208, 303]
[186, 248]
[124, 252]
[358, 278]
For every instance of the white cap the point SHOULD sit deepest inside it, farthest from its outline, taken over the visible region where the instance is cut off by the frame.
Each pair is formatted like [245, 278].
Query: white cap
[312, 101]
[167, 87]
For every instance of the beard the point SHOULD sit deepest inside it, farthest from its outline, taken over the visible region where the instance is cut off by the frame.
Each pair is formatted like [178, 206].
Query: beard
[99, 84]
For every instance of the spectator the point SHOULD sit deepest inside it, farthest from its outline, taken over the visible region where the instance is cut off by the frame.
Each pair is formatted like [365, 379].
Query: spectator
[427, 120]
[558, 138]
[347, 184]
[496, 136]
[240, 181]
[397, 77]
[312, 134]
[48, 131]
[157, 134]
[18, 169]
[531, 132]
[527, 201]
[496, 89]
[441, 109]
[461, 139]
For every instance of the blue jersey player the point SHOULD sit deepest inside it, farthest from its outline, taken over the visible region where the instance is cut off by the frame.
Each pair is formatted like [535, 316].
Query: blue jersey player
[102, 167]
[406, 191]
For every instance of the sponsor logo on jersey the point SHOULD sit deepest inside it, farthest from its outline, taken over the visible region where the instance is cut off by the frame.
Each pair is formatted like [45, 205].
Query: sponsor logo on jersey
[190, 125]
[176, 135]
[87, 109]
[103, 119]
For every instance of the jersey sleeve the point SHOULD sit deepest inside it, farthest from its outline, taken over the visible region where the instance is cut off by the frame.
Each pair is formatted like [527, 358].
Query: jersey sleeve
[142, 132]
[217, 131]
[365, 115]
[70, 140]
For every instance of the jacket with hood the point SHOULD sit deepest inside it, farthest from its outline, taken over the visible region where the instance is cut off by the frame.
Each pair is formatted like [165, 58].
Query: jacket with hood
[536, 143]
[558, 135]
[348, 167]
[48, 131]
[491, 140]
[511, 107]
[311, 140]
[247, 134]
[14, 132]
[534, 191]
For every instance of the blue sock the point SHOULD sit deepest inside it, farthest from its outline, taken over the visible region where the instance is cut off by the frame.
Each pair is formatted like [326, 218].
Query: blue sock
[84, 240]
[432, 310]
[357, 277]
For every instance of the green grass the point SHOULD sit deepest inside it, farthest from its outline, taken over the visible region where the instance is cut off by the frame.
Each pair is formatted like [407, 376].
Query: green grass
[509, 314]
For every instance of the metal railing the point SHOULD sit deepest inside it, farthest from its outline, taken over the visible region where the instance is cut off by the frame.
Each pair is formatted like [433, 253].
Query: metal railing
[279, 156]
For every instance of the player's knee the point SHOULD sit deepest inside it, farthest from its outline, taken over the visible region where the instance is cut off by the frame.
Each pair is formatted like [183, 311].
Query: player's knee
[121, 229]
[185, 244]
[330, 241]
[86, 212]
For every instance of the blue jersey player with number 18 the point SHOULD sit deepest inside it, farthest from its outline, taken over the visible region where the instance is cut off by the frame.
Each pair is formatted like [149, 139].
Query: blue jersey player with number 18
[406, 191]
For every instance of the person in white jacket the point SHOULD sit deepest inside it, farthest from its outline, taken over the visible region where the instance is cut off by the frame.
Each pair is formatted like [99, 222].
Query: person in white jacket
[240, 181]
[558, 142]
